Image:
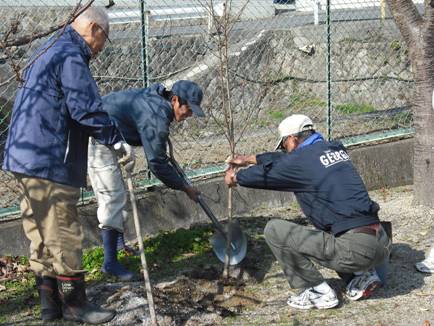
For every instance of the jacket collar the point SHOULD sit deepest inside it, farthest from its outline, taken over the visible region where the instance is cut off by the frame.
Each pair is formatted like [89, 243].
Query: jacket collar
[316, 137]
[77, 38]
[167, 107]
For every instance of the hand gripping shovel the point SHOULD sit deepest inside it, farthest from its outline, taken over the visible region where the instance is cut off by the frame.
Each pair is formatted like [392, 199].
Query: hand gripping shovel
[218, 241]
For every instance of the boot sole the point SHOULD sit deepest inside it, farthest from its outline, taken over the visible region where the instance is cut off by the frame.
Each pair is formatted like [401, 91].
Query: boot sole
[80, 320]
[51, 317]
[120, 278]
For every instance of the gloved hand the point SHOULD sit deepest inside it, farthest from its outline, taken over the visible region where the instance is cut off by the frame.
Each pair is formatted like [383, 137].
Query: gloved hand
[127, 155]
[192, 193]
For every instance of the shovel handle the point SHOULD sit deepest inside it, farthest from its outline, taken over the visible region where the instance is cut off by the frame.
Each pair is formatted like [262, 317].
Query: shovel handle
[201, 202]
[211, 216]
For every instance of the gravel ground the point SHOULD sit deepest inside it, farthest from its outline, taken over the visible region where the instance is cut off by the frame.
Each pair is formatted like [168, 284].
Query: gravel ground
[257, 293]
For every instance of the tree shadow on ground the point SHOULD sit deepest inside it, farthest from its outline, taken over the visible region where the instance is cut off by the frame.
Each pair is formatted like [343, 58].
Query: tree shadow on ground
[402, 275]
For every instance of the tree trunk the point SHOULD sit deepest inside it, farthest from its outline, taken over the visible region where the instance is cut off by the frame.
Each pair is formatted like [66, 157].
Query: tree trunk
[418, 33]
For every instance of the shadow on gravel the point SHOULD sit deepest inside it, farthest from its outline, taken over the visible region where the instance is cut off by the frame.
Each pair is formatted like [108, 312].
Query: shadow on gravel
[403, 276]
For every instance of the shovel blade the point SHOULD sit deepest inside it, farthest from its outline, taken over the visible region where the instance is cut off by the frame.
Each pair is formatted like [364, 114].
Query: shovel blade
[238, 247]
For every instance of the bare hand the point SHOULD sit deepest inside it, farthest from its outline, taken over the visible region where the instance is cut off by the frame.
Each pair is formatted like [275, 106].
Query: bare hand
[192, 193]
[230, 177]
[241, 160]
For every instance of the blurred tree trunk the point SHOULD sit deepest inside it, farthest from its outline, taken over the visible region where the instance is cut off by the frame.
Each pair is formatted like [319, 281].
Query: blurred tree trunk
[418, 33]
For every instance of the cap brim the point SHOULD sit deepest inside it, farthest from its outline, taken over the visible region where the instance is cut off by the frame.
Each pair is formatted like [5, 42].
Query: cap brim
[279, 144]
[197, 110]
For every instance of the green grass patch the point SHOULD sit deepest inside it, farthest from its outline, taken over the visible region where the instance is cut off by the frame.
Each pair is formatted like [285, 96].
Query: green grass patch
[18, 297]
[395, 45]
[165, 252]
[351, 108]
[277, 115]
[302, 101]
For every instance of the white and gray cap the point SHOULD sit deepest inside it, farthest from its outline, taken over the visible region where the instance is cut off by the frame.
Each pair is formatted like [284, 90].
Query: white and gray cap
[293, 125]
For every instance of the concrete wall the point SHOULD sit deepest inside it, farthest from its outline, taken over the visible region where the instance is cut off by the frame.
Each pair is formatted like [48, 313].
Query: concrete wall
[383, 165]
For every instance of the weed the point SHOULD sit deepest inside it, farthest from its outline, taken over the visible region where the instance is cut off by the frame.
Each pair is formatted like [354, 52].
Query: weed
[350, 108]
[294, 205]
[298, 102]
[384, 192]
[395, 45]
[18, 296]
[166, 252]
[277, 115]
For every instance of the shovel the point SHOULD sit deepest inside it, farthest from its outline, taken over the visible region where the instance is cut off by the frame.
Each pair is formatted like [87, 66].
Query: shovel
[238, 246]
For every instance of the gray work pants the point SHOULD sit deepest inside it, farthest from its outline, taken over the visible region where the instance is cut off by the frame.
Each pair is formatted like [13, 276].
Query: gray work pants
[296, 247]
[105, 175]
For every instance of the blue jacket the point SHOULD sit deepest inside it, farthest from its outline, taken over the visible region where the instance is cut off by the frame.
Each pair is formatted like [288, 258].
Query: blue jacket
[143, 117]
[56, 109]
[327, 186]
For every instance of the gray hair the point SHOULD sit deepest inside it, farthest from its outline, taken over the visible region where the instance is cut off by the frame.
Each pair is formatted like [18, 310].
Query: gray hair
[302, 135]
[97, 15]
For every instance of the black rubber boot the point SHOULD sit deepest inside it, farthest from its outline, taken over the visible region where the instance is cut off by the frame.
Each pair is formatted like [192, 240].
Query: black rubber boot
[76, 307]
[51, 306]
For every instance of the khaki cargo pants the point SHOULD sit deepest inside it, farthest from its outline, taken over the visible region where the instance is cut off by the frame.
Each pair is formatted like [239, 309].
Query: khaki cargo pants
[297, 247]
[50, 222]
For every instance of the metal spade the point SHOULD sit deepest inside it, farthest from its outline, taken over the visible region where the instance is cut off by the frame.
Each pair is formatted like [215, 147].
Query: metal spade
[238, 247]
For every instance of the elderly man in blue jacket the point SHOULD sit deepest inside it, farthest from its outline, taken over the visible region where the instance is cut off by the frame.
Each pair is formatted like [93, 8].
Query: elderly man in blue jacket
[56, 109]
[143, 116]
[347, 237]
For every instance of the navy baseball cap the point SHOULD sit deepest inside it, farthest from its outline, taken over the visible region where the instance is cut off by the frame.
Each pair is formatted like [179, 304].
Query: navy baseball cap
[191, 93]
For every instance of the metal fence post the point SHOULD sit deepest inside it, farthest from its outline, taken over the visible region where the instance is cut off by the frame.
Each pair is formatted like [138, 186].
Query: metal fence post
[329, 81]
[316, 5]
[144, 22]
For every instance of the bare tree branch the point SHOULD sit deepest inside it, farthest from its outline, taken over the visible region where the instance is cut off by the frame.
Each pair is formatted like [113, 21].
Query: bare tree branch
[34, 36]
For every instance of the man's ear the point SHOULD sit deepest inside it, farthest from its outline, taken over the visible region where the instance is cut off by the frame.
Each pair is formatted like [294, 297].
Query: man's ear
[93, 28]
[174, 99]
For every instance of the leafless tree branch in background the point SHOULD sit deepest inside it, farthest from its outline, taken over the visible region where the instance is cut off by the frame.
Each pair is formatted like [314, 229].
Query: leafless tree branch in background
[8, 43]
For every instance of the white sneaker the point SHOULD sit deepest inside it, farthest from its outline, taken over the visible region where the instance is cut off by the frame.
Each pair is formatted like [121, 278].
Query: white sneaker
[310, 298]
[426, 266]
[362, 286]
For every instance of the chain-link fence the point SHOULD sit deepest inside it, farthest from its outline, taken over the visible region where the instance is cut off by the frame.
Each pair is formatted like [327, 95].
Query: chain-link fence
[342, 62]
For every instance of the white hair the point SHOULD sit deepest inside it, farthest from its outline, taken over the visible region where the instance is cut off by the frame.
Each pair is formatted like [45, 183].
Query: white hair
[97, 15]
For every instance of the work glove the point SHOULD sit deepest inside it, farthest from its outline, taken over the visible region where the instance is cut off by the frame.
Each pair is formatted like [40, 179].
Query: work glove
[126, 154]
[192, 193]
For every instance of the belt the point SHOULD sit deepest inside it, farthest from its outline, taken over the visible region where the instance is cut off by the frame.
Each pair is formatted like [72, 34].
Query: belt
[371, 229]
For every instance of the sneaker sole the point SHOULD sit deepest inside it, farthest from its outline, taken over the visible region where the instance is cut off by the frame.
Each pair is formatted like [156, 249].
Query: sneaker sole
[367, 293]
[424, 268]
[329, 306]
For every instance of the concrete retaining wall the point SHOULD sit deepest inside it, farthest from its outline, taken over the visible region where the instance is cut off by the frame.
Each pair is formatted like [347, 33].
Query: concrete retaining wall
[383, 165]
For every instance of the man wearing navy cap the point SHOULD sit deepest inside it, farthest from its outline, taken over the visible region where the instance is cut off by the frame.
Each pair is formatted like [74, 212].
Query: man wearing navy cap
[143, 116]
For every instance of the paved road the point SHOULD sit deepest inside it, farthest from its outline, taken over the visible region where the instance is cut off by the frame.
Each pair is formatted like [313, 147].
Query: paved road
[283, 20]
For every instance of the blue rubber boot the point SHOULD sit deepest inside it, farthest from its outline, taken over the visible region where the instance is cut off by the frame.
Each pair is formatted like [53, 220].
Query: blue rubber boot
[121, 245]
[120, 242]
[111, 264]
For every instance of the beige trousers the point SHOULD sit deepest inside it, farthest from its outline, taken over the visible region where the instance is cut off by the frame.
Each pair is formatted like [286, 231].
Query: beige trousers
[50, 222]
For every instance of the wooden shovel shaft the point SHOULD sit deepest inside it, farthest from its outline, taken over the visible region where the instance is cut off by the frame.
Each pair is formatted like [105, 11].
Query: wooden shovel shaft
[142, 251]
